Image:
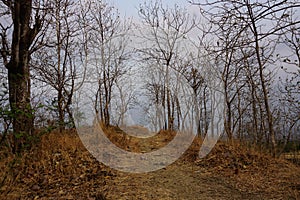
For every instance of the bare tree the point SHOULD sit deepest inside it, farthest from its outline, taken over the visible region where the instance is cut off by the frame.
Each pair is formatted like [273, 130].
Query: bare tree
[125, 98]
[288, 110]
[60, 64]
[16, 58]
[193, 73]
[109, 36]
[164, 35]
[264, 21]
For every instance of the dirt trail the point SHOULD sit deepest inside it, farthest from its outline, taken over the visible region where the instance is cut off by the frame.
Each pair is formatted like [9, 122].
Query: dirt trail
[177, 181]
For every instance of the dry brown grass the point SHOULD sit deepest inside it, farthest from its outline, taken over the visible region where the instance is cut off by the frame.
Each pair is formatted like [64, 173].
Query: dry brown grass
[60, 167]
[134, 144]
[54, 168]
[251, 170]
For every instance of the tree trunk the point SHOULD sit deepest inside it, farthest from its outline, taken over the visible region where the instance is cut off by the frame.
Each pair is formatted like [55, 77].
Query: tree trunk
[263, 84]
[19, 98]
[228, 119]
[61, 111]
[18, 72]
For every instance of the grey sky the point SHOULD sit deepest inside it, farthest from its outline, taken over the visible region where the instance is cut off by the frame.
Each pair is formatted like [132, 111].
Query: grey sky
[130, 7]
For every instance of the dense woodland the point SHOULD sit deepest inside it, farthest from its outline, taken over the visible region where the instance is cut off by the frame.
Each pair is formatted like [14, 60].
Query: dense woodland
[54, 50]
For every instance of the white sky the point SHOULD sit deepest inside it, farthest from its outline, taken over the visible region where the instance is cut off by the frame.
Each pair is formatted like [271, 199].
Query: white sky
[130, 7]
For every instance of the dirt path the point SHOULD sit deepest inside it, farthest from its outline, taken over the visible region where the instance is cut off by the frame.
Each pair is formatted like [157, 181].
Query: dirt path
[177, 181]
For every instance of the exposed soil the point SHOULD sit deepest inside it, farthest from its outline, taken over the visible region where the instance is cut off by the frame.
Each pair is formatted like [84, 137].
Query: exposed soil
[61, 168]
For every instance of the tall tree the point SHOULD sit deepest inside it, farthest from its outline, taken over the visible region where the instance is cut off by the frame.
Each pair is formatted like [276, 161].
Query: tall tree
[109, 37]
[288, 111]
[164, 37]
[264, 22]
[16, 58]
[60, 64]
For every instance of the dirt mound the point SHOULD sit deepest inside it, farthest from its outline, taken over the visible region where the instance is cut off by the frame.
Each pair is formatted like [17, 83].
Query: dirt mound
[251, 170]
[235, 157]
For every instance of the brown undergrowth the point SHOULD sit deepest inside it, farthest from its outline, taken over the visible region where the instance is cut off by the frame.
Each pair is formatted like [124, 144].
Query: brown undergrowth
[251, 170]
[60, 167]
[134, 144]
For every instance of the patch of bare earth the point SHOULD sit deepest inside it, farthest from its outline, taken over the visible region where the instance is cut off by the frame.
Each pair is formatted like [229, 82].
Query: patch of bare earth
[59, 167]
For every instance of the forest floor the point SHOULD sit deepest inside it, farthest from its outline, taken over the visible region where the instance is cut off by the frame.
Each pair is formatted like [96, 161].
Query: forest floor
[59, 167]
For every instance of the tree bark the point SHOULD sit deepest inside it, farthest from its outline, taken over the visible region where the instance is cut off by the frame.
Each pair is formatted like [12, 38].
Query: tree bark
[19, 71]
[263, 83]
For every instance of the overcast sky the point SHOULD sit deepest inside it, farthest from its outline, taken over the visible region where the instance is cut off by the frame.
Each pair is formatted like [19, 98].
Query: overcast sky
[130, 7]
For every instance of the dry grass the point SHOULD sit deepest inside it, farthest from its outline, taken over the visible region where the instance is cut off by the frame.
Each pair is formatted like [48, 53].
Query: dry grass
[251, 170]
[54, 168]
[60, 167]
[134, 144]
[292, 156]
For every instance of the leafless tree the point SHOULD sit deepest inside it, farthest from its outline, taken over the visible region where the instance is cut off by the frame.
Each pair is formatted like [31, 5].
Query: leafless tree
[288, 110]
[109, 47]
[125, 98]
[16, 49]
[164, 35]
[264, 21]
[61, 65]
